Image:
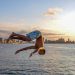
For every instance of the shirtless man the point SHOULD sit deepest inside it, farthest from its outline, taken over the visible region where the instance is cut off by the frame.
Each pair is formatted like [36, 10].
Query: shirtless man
[39, 45]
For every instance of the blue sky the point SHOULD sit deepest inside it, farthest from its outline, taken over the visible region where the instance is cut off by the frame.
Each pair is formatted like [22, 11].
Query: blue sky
[18, 15]
[30, 9]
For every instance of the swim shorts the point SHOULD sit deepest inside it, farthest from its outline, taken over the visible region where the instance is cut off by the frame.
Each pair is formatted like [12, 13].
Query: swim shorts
[34, 35]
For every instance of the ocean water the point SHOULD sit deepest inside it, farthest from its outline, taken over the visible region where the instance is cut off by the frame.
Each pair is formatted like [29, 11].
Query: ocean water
[58, 60]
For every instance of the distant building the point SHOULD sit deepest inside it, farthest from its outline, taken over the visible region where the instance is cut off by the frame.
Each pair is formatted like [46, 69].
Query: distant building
[60, 40]
[0, 40]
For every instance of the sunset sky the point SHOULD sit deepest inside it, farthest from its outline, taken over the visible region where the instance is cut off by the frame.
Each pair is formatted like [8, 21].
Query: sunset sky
[55, 18]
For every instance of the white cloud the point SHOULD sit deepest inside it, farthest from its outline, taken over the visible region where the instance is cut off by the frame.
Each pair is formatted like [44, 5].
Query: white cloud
[53, 11]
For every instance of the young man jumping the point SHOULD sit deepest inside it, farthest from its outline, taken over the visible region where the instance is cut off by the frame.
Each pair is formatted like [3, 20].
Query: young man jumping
[39, 45]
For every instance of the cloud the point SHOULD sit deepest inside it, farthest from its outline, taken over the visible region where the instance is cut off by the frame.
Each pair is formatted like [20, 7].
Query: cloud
[4, 31]
[16, 26]
[49, 32]
[52, 34]
[53, 11]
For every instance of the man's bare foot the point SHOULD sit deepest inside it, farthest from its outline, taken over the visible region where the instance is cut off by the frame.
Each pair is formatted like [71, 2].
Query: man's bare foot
[11, 36]
[17, 51]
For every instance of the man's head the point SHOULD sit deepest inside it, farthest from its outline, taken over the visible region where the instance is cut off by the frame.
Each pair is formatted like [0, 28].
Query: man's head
[41, 51]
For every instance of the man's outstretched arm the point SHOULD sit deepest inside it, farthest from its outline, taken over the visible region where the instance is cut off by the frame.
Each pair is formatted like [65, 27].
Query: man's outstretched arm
[24, 49]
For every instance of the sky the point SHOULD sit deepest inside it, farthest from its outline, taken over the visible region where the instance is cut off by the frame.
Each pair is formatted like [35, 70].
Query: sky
[54, 18]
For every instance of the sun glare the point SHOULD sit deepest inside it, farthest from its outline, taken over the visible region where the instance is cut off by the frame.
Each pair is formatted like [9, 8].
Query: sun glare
[67, 23]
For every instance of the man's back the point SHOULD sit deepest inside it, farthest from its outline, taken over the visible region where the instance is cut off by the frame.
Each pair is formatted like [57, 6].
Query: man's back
[39, 42]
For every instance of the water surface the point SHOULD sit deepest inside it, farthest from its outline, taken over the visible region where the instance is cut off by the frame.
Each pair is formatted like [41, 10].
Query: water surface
[58, 60]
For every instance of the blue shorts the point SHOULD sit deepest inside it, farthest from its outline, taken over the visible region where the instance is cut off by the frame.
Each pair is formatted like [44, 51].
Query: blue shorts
[34, 35]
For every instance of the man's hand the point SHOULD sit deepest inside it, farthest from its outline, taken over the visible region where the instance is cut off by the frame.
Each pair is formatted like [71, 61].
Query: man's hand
[31, 54]
[17, 51]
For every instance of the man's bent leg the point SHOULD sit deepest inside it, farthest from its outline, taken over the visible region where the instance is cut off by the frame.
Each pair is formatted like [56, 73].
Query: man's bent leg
[21, 37]
[18, 36]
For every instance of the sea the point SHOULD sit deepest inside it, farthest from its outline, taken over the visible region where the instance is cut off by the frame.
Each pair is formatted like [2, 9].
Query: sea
[58, 60]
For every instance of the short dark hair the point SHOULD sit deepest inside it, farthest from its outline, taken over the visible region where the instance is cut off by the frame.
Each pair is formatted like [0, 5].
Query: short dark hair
[41, 51]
